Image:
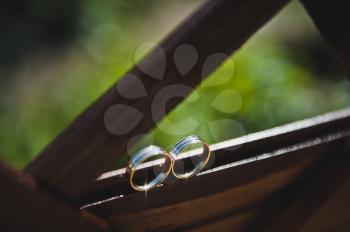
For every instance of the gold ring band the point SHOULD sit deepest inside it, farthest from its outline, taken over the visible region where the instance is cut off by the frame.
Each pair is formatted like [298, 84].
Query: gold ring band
[139, 158]
[183, 144]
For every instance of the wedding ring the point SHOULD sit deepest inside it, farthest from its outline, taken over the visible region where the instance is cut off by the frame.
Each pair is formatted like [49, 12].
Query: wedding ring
[177, 155]
[143, 155]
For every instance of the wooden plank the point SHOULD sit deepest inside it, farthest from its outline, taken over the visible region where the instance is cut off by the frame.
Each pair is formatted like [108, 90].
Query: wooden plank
[241, 188]
[293, 208]
[306, 202]
[333, 214]
[25, 208]
[303, 205]
[115, 182]
[192, 213]
[332, 20]
[86, 149]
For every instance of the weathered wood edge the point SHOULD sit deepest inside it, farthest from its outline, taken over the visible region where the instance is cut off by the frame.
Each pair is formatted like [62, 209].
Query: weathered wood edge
[173, 193]
[113, 182]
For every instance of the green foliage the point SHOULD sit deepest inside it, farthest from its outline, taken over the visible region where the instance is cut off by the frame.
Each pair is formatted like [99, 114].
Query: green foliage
[274, 89]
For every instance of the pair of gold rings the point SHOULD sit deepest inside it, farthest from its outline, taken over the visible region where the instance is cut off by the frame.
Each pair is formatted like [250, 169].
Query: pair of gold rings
[170, 159]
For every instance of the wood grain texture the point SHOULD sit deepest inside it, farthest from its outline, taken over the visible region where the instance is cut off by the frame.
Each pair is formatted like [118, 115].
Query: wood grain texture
[333, 213]
[317, 200]
[332, 20]
[116, 183]
[86, 148]
[230, 196]
[239, 188]
[296, 206]
[25, 208]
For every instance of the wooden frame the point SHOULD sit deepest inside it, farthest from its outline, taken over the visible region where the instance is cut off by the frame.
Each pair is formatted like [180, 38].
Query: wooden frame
[269, 174]
[268, 184]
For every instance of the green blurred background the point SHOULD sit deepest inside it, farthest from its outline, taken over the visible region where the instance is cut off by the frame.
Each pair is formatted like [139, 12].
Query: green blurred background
[58, 57]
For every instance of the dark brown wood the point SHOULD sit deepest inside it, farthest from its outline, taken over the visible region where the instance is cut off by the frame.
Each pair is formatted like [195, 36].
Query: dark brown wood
[292, 209]
[25, 208]
[332, 19]
[86, 149]
[116, 183]
[236, 191]
[333, 214]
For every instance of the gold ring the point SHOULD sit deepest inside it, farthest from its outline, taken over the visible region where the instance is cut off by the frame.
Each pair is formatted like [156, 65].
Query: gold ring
[143, 155]
[177, 155]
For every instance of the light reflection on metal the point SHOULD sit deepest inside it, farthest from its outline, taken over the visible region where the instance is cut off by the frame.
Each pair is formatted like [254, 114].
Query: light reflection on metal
[242, 140]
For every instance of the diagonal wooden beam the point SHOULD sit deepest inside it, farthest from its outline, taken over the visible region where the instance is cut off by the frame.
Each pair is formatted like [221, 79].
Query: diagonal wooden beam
[86, 148]
[332, 20]
[25, 208]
